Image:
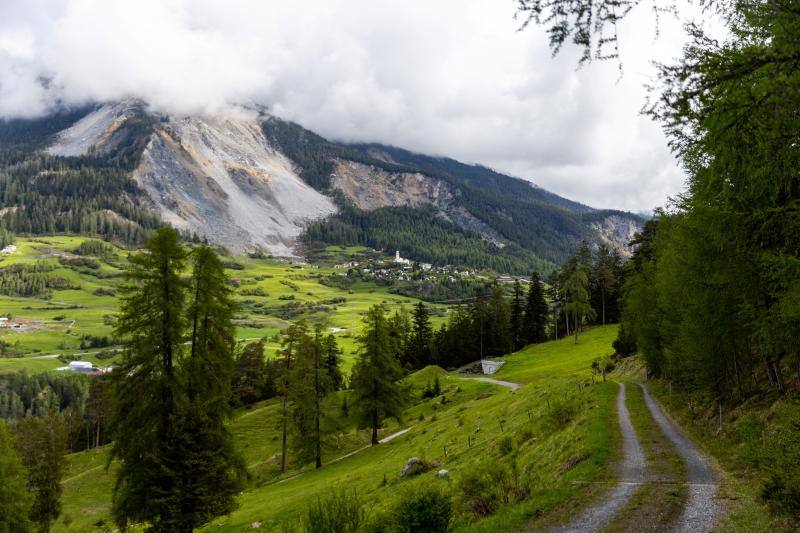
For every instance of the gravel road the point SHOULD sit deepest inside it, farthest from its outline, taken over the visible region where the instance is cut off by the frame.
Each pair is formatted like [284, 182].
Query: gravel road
[701, 508]
[512, 386]
[631, 473]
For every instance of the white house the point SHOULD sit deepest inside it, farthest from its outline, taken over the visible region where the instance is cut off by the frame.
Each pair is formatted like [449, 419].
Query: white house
[3, 322]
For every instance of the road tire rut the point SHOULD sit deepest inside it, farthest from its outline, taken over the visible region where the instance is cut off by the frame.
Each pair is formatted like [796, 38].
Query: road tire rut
[701, 508]
[631, 472]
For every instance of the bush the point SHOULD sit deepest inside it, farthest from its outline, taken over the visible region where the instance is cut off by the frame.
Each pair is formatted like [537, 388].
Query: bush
[424, 509]
[506, 445]
[339, 512]
[491, 484]
[624, 345]
[560, 413]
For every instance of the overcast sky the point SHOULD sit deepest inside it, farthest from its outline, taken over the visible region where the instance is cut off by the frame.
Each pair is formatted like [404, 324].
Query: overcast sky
[444, 77]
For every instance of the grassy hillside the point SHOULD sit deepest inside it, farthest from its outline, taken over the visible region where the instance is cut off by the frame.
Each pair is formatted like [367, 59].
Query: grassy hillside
[537, 441]
[271, 293]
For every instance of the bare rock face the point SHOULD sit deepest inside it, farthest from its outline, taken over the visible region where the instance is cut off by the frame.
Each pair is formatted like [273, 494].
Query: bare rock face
[98, 132]
[616, 232]
[217, 177]
[370, 187]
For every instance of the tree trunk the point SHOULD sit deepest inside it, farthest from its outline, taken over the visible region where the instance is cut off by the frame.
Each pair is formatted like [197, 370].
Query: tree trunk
[283, 439]
[577, 328]
[603, 298]
[374, 427]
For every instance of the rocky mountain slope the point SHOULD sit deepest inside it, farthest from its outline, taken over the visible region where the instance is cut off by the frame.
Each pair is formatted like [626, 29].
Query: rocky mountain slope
[248, 181]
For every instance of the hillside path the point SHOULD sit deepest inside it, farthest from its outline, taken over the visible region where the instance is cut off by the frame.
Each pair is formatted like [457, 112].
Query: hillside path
[701, 508]
[512, 386]
[631, 475]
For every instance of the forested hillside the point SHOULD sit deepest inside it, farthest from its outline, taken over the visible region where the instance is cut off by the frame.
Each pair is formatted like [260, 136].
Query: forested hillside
[92, 195]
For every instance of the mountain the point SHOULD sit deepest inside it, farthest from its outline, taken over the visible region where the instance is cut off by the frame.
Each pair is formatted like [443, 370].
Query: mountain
[250, 181]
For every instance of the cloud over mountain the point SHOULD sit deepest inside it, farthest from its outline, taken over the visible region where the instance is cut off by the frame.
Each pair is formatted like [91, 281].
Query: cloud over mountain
[449, 77]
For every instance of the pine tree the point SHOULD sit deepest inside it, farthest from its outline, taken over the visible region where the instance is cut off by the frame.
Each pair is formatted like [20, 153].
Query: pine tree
[498, 334]
[419, 351]
[15, 500]
[377, 392]
[291, 342]
[41, 443]
[535, 319]
[147, 389]
[250, 376]
[604, 278]
[333, 360]
[400, 332]
[204, 450]
[518, 336]
[576, 288]
[310, 382]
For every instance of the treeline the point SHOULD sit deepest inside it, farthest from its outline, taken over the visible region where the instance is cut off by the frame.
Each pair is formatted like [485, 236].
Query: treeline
[711, 299]
[34, 279]
[82, 405]
[6, 237]
[422, 234]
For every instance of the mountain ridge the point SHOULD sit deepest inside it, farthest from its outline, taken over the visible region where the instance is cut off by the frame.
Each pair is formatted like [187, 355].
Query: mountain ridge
[248, 181]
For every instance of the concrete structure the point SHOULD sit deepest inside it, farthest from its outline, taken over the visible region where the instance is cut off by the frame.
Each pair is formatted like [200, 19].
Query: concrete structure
[490, 367]
[3, 322]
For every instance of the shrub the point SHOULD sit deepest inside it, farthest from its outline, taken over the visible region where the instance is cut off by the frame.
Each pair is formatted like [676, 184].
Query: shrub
[491, 484]
[423, 509]
[506, 445]
[340, 512]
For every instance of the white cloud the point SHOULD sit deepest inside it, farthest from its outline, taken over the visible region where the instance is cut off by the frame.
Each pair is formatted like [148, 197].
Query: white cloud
[451, 77]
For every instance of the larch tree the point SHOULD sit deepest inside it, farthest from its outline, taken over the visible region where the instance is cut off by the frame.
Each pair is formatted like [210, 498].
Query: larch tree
[15, 499]
[147, 388]
[535, 319]
[420, 342]
[517, 318]
[377, 393]
[576, 289]
[291, 342]
[42, 443]
[310, 382]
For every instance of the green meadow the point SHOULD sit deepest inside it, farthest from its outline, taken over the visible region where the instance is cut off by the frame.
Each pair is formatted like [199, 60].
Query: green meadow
[271, 292]
[550, 439]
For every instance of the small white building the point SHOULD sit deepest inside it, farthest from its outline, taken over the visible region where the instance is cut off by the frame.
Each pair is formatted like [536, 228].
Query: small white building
[10, 249]
[80, 366]
[3, 322]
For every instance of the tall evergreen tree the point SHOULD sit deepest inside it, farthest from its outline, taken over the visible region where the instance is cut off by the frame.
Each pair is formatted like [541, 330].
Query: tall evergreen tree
[400, 332]
[210, 468]
[15, 500]
[376, 374]
[41, 443]
[147, 389]
[518, 336]
[498, 338]
[535, 322]
[604, 279]
[333, 360]
[576, 289]
[419, 351]
[310, 382]
[291, 342]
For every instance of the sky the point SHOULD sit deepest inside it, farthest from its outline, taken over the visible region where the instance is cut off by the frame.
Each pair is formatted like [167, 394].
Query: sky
[450, 77]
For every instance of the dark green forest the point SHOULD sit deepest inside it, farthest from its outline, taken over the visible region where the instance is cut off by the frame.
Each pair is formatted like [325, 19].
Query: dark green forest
[92, 195]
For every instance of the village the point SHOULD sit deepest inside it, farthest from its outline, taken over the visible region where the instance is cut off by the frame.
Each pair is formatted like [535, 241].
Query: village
[404, 269]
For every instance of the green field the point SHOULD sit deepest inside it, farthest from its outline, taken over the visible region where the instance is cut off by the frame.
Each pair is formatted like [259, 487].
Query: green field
[555, 430]
[272, 293]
